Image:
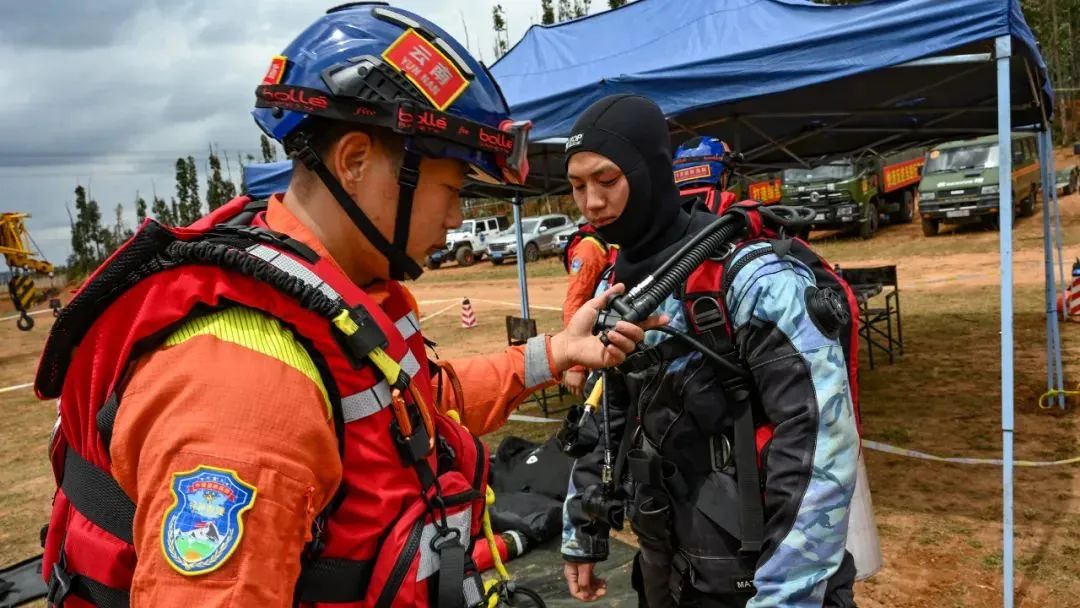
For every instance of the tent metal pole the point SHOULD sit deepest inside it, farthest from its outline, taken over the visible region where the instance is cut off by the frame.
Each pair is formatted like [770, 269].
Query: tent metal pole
[1003, 47]
[1059, 240]
[933, 131]
[887, 112]
[766, 136]
[1055, 209]
[892, 138]
[947, 60]
[1048, 268]
[1054, 378]
[522, 283]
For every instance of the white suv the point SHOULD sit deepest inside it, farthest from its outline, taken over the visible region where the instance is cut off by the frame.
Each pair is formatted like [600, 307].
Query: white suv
[467, 243]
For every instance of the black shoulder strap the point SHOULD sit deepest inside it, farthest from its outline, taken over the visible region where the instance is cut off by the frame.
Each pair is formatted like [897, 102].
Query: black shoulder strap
[709, 320]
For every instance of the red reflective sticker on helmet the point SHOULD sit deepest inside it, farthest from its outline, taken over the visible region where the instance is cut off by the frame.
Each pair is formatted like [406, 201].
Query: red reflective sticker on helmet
[276, 71]
[689, 173]
[426, 67]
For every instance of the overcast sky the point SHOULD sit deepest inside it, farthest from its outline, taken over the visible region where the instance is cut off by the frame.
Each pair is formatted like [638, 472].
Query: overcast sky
[108, 93]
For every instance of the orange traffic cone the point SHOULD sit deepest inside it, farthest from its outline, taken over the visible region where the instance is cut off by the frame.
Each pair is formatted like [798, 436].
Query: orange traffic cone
[468, 317]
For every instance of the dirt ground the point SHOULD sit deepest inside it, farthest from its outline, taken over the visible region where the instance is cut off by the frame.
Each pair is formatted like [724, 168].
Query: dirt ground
[940, 524]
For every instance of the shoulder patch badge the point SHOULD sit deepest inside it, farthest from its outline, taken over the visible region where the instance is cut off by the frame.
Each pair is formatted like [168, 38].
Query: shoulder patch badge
[203, 526]
[575, 266]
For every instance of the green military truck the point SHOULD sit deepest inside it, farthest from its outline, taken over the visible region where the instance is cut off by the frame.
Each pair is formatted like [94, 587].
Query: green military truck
[960, 182]
[857, 194]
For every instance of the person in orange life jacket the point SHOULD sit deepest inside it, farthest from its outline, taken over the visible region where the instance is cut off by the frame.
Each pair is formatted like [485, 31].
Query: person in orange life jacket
[586, 257]
[683, 425]
[270, 432]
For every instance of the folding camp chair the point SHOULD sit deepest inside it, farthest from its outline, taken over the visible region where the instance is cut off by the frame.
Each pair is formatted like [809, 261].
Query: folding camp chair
[876, 322]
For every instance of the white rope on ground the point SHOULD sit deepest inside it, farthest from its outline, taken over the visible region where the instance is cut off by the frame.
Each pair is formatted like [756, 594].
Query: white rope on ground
[442, 301]
[36, 312]
[889, 449]
[532, 419]
[438, 312]
[8, 389]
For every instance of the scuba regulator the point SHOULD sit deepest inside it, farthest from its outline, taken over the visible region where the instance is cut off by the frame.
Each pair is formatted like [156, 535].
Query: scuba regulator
[603, 503]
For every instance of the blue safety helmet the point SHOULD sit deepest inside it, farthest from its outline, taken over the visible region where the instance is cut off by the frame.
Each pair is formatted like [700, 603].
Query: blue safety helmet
[703, 161]
[371, 64]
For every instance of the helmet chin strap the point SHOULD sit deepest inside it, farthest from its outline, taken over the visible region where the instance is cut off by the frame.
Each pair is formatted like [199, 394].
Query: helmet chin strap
[402, 267]
[408, 177]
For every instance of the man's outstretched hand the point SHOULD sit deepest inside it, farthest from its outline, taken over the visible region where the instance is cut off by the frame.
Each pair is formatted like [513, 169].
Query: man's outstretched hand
[576, 345]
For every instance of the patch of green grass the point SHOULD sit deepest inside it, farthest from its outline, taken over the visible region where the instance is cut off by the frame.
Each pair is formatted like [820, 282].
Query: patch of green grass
[992, 561]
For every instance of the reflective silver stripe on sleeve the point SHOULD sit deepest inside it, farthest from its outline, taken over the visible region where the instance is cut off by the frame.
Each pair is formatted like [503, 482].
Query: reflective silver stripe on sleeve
[407, 325]
[429, 558]
[410, 364]
[366, 402]
[537, 366]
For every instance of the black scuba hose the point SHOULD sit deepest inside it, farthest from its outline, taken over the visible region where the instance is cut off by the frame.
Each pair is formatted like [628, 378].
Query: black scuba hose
[705, 350]
[643, 299]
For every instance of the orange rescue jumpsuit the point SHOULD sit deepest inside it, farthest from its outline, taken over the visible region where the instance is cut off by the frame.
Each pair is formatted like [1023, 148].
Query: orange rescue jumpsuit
[185, 404]
[588, 259]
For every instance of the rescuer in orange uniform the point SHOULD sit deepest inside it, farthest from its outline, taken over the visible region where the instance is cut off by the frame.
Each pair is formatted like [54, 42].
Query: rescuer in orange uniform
[222, 444]
[586, 257]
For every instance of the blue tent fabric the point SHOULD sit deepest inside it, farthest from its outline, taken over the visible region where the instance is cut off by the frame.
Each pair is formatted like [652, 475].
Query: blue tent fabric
[264, 179]
[691, 55]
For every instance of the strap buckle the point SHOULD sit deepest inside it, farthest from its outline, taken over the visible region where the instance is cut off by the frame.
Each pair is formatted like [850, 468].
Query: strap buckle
[445, 539]
[719, 452]
[707, 314]
[59, 584]
[413, 443]
[360, 334]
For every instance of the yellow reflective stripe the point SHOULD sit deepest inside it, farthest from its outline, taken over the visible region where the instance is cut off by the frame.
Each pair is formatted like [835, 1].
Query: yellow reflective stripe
[257, 332]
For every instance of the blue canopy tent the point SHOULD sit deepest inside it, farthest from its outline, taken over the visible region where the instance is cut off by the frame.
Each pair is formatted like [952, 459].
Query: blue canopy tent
[793, 83]
[264, 179]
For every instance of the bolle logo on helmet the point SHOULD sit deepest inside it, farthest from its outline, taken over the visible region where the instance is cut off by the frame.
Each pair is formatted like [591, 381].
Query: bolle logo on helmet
[429, 121]
[295, 99]
[574, 141]
[426, 120]
[497, 140]
[405, 119]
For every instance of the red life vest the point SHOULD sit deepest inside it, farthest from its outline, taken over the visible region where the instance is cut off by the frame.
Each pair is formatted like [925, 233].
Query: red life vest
[411, 476]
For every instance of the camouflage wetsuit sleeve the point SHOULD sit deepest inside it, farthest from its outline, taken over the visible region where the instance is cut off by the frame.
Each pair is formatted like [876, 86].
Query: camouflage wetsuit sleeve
[810, 463]
[583, 540]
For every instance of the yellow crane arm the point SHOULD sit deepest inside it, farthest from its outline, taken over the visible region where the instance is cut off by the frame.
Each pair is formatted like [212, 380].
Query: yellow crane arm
[15, 244]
